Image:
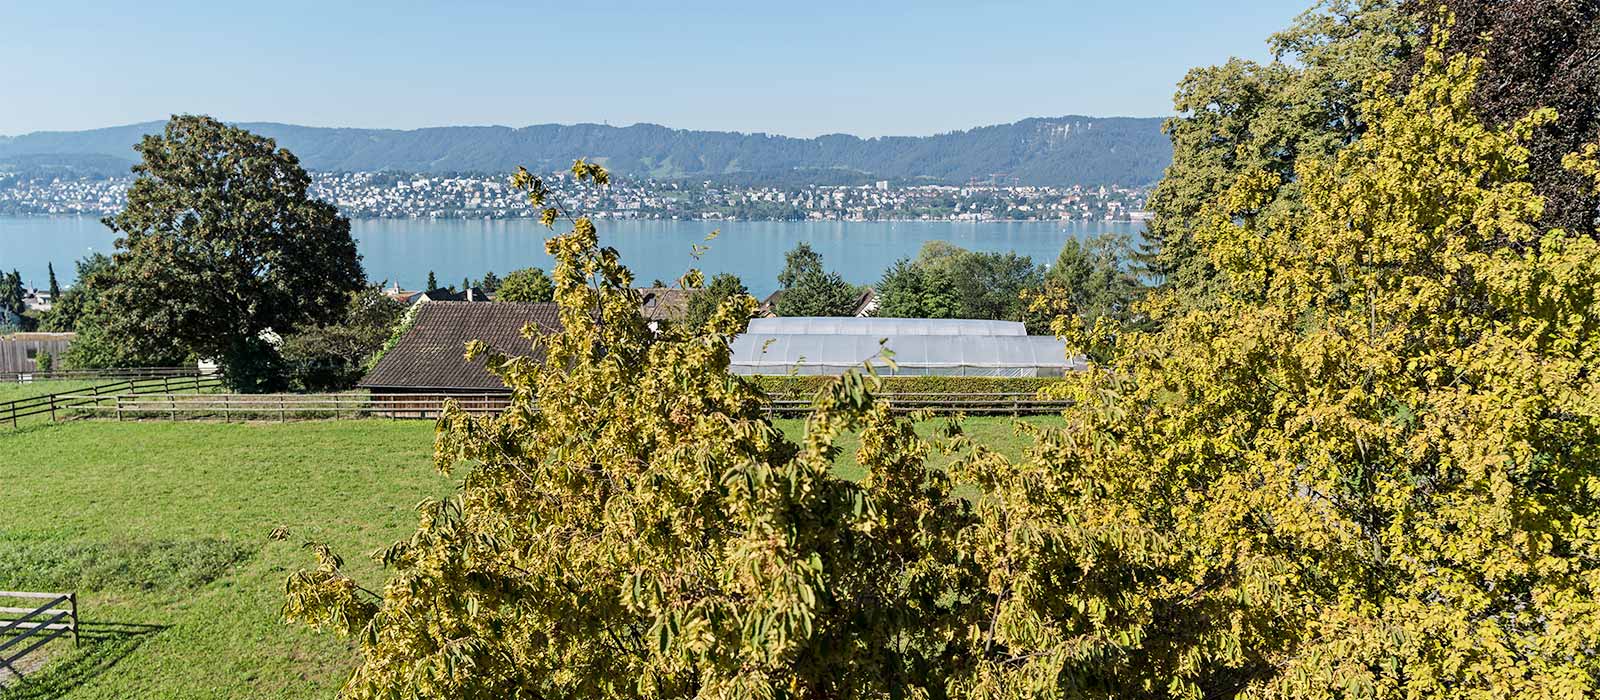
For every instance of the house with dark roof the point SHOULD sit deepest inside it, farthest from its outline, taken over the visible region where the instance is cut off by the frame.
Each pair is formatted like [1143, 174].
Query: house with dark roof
[429, 357]
[663, 304]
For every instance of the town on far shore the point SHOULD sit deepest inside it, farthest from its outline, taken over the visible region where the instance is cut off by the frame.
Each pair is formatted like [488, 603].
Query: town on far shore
[390, 195]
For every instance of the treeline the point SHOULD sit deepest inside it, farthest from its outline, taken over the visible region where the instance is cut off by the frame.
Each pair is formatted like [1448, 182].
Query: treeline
[1073, 150]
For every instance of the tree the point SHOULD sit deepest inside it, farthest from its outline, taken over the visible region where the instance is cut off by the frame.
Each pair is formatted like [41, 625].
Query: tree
[12, 293]
[810, 290]
[912, 290]
[1248, 117]
[1537, 53]
[1382, 432]
[990, 285]
[640, 530]
[55, 287]
[527, 284]
[490, 282]
[68, 307]
[800, 261]
[704, 303]
[333, 357]
[433, 282]
[222, 246]
[1096, 278]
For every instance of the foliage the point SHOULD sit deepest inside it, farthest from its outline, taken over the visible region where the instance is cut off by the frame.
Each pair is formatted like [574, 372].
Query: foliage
[68, 307]
[1365, 469]
[46, 362]
[527, 284]
[704, 302]
[947, 281]
[490, 282]
[646, 533]
[54, 286]
[433, 282]
[909, 290]
[331, 357]
[810, 290]
[1537, 53]
[1091, 279]
[221, 244]
[1248, 117]
[1366, 472]
[12, 292]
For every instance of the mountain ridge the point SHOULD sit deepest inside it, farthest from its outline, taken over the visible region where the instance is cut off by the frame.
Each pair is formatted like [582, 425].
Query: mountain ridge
[1066, 150]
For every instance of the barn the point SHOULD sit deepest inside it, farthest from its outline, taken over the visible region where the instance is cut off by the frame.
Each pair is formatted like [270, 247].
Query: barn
[429, 356]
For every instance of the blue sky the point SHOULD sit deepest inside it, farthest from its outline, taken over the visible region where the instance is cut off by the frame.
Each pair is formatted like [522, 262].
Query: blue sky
[796, 68]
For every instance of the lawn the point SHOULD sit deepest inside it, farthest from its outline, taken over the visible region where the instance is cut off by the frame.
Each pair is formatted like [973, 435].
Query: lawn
[11, 391]
[162, 528]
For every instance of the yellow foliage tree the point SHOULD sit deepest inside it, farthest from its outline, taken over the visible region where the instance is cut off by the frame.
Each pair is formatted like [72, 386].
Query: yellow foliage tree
[1369, 470]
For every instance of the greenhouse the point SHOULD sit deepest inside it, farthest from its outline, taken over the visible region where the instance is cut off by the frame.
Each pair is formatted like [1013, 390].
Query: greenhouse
[954, 347]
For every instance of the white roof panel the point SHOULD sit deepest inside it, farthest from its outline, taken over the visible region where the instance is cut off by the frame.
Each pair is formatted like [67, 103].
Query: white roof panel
[884, 327]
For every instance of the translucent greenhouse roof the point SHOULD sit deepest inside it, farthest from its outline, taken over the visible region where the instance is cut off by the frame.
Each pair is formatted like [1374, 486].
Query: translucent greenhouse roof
[883, 327]
[993, 355]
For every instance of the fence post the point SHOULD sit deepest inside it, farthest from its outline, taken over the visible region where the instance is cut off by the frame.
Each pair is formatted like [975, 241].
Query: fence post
[52, 408]
[282, 415]
[119, 407]
[72, 603]
[172, 404]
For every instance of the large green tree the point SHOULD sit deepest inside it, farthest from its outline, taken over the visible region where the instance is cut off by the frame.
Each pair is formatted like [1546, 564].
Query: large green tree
[704, 302]
[1245, 116]
[808, 289]
[527, 284]
[912, 290]
[1095, 277]
[222, 247]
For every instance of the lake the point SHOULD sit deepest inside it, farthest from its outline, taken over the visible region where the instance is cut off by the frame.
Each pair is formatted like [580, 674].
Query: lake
[405, 250]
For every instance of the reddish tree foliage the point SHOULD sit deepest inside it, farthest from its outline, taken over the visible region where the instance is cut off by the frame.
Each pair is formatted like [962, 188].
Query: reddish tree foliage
[1538, 53]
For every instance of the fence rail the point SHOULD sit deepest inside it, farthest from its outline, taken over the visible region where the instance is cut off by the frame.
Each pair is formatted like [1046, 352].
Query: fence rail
[23, 630]
[24, 377]
[54, 404]
[283, 407]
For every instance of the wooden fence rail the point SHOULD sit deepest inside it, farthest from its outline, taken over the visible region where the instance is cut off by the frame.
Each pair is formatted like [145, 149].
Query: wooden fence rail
[54, 404]
[282, 407]
[110, 373]
[23, 630]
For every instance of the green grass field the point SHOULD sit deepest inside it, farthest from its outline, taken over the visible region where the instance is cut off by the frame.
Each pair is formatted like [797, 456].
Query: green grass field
[162, 528]
[11, 391]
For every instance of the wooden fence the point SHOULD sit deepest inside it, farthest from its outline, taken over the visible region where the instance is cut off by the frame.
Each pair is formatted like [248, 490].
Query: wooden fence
[23, 630]
[283, 407]
[54, 404]
[110, 373]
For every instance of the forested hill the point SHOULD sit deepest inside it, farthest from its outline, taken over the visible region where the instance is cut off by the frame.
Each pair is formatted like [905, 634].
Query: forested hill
[1069, 150]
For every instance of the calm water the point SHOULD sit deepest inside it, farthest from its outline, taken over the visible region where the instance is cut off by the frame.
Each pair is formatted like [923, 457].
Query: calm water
[404, 250]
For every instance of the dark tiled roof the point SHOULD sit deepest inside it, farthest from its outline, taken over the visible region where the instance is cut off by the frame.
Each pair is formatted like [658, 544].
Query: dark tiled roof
[664, 303]
[430, 355]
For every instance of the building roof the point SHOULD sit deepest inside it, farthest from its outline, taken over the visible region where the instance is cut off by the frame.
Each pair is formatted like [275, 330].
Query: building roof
[664, 303]
[973, 355]
[430, 354]
[879, 327]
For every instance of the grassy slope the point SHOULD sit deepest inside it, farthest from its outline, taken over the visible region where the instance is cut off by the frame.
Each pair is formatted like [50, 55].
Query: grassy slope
[11, 391]
[121, 511]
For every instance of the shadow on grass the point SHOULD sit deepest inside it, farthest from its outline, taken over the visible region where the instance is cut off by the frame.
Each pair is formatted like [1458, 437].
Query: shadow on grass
[102, 645]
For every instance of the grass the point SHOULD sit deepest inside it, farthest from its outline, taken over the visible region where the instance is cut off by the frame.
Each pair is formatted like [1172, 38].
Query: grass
[11, 391]
[162, 529]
